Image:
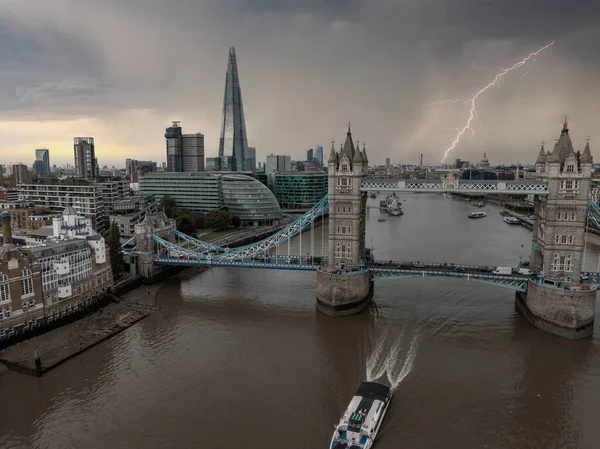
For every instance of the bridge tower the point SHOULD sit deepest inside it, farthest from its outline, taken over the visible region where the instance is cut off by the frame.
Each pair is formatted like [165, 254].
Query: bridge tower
[557, 301]
[159, 224]
[344, 287]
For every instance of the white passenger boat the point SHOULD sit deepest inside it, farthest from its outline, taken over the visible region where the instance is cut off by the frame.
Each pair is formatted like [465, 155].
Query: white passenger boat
[512, 220]
[362, 419]
[477, 215]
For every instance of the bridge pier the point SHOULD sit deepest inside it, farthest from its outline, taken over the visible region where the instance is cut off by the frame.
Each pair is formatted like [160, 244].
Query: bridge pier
[343, 294]
[565, 313]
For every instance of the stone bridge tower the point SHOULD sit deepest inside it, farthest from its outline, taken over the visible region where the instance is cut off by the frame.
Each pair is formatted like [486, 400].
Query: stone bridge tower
[557, 301]
[343, 288]
[159, 224]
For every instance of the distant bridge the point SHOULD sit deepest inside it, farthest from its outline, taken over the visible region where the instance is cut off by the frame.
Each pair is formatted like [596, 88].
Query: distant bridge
[451, 185]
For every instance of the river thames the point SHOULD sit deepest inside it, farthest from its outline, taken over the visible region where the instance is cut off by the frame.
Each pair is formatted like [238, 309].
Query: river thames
[241, 358]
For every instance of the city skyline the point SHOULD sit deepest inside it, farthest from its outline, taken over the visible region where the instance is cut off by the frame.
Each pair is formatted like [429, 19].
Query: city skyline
[299, 89]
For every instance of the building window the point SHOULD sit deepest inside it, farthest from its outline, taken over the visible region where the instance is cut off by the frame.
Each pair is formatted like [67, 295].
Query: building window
[343, 251]
[568, 185]
[4, 288]
[349, 209]
[562, 263]
[344, 167]
[572, 216]
[559, 216]
[570, 168]
[26, 283]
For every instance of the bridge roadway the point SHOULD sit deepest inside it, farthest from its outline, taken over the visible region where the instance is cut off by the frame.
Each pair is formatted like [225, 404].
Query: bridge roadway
[380, 270]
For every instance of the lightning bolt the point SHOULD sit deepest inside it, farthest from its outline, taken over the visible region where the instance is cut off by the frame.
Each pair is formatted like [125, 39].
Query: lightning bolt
[472, 101]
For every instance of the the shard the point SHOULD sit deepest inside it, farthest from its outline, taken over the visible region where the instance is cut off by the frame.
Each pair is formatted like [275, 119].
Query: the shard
[234, 142]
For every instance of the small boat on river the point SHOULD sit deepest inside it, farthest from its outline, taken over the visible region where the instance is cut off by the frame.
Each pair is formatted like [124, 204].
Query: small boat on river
[477, 215]
[512, 220]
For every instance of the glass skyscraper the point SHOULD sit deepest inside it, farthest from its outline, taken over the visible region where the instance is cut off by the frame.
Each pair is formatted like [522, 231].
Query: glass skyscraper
[42, 162]
[234, 142]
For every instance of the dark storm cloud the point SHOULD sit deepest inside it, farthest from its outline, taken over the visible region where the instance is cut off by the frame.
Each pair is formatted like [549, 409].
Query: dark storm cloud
[305, 66]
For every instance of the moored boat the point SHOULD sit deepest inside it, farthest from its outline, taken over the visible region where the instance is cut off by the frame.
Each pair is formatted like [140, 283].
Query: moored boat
[477, 215]
[512, 220]
[362, 419]
[393, 205]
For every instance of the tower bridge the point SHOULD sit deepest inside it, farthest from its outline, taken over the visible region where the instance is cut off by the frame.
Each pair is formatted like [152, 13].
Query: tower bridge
[556, 296]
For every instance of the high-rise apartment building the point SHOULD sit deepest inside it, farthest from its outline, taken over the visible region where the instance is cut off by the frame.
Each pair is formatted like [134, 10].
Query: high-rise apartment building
[318, 155]
[185, 152]
[233, 143]
[42, 162]
[251, 159]
[86, 164]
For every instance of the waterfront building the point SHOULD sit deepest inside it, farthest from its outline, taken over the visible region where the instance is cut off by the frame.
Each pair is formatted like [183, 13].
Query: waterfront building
[300, 191]
[250, 200]
[199, 192]
[74, 261]
[241, 193]
[130, 211]
[84, 153]
[21, 296]
[233, 143]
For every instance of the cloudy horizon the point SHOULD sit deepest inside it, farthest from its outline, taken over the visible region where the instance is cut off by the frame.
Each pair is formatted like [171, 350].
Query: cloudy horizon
[121, 71]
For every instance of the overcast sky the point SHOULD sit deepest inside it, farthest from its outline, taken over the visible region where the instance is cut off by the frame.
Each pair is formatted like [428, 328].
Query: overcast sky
[121, 70]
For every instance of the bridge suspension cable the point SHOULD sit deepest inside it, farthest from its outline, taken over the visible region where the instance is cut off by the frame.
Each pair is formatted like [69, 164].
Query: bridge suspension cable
[263, 246]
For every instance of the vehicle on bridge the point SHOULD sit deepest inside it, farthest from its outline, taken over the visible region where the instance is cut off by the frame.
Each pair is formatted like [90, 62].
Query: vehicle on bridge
[362, 419]
[503, 270]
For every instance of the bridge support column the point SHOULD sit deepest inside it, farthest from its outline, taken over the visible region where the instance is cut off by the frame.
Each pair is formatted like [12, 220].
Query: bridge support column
[566, 313]
[343, 294]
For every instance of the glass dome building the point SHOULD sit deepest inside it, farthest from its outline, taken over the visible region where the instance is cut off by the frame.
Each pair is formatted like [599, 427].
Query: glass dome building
[250, 200]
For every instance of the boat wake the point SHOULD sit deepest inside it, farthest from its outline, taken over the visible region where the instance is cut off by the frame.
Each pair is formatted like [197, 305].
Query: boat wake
[390, 361]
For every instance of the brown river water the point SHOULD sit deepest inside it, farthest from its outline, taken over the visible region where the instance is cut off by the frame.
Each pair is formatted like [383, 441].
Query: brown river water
[241, 358]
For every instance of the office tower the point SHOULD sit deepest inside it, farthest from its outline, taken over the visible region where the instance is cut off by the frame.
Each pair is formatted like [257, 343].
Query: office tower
[192, 152]
[174, 151]
[185, 152]
[309, 155]
[318, 155]
[42, 162]
[387, 162]
[234, 142]
[1, 176]
[86, 164]
[251, 159]
[278, 163]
